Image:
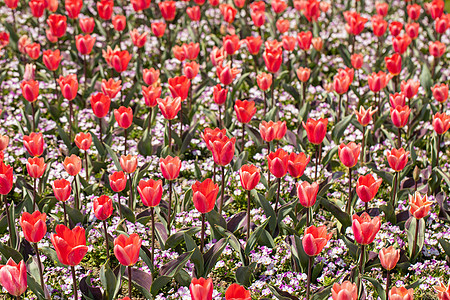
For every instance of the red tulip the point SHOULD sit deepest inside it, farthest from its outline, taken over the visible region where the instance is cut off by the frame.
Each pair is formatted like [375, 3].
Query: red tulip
[289, 43]
[6, 178]
[278, 162]
[317, 42]
[34, 143]
[231, 44]
[105, 9]
[194, 13]
[226, 73]
[316, 130]
[273, 57]
[51, 59]
[217, 55]
[30, 90]
[13, 277]
[245, 110]
[150, 76]
[33, 226]
[126, 249]
[139, 5]
[401, 293]
[397, 159]
[212, 134]
[73, 8]
[365, 116]
[36, 167]
[419, 206]
[349, 154]
[378, 81]
[150, 192]
[168, 10]
[441, 24]
[117, 59]
[204, 195]
[86, 24]
[128, 163]
[201, 289]
[103, 207]
[344, 291]
[72, 165]
[111, 87]
[413, 11]
[100, 104]
[341, 82]
[270, 131]
[395, 28]
[389, 257]
[61, 189]
[400, 43]
[228, 12]
[355, 23]
[4, 39]
[441, 123]
[264, 81]
[307, 193]
[69, 86]
[283, 25]
[57, 24]
[191, 50]
[253, 44]
[397, 99]
[158, 28]
[124, 116]
[400, 116]
[394, 64]
[437, 49]
[223, 150]
[151, 95]
[70, 245]
[119, 22]
[179, 87]
[436, 8]
[367, 187]
[412, 30]
[443, 292]
[237, 292]
[303, 74]
[169, 107]
[379, 25]
[12, 4]
[304, 40]
[219, 94]
[364, 228]
[410, 88]
[118, 181]
[191, 69]
[4, 141]
[440, 92]
[315, 239]
[83, 140]
[382, 8]
[357, 61]
[84, 43]
[170, 167]
[297, 164]
[37, 7]
[250, 176]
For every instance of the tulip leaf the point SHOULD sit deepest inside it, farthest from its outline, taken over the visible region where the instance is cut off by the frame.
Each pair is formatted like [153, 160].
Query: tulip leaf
[159, 283]
[113, 157]
[411, 230]
[268, 209]
[330, 154]
[378, 287]
[244, 274]
[445, 245]
[90, 292]
[340, 215]
[425, 80]
[35, 287]
[176, 238]
[8, 252]
[339, 128]
[213, 255]
[281, 295]
[197, 257]
[109, 282]
[172, 267]
[240, 161]
[252, 241]
[143, 281]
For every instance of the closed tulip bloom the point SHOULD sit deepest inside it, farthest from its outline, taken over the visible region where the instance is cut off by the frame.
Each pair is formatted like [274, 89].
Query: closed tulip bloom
[6, 178]
[83, 140]
[118, 181]
[270, 131]
[441, 24]
[61, 189]
[150, 76]
[437, 49]
[12, 4]
[395, 28]
[168, 10]
[289, 42]
[307, 193]
[297, 164]
[237, 292]
[400, 116]
[317, 43]
[191, 50]
[223, 150]
[205, 195]
[111, 87]
[401, 293]
[170, 167]
[73, 8]
[103, 207]
[179, 87]
[278, 162]
[86, 24]
[231, 44]
[51, 59]
[100, 104]
[258, 18]
[357, 61]
[273, 57]
[382, 8]
[250, 176]
[201, 289]
[245, 110]
[315, 239]
[36, 167]
[211, 134]
[124, 116]
[84, 43]
[33, 226]
[367, 187]
[120, 60]
[72, 165]
[278, 6]
[355, 23]
[364, 228]
[419, 206]
[128, 163]
[69, 86]
[158, 28]
[410, 88]
[253, 44]
[413, 11]
[440, 92]
[217, 55]
[30, 71]
[412, 30]
[389, 257]
[169, 107]
[33, 50]
[378, 81]
[304, 40]
[341, 82]
[226, 73]
[30, 90]
[191, 69]
[105, 9]
[150, 192]
[400, 43]
[349, 154]
[23, 42]
[13, 277]
[151, 95]
[443, 292]
[379, 25]
[344, 291]
[139, 5]
[303, 74]
[194, 13]
[70, 245]
[394, 64]
[316, 130]
[264, 81]
[283, 25]
[365, 116]
[219, 94]
[119, 22]
[34, 143]
[397, 159]
[228, 12]
[4, 141]
[57, 24]
[436, 9]
[126, 249]
[179, 53]
[397, 99]
[441, 123]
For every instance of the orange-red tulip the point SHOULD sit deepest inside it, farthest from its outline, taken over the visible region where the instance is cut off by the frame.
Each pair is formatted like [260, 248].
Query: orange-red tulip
[389, 257]
[307, 193]
[205, 195]
[72, 165]
[33, 226]
[70, 245]
[126, 249]
[315, 239]
[364, 228]
[103, 207]
[150, 192]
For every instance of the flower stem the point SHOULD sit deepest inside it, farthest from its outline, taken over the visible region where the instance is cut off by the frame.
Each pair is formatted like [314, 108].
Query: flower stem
[361, 268]
[243, 136]
[169, 212]
[416, 235]
[222, 193]
[438, 149]
[202, 237]
[65, 214]
[34, 193]
[129, 282]
[388, 283]
[33, 112]
[170, 135]
[394, 192]
[362, 157]
[350, 196]
[308, 285]
[248, 214]
[105, 228]
[74, 278]
[87, 169]
[38, 257]
[278, 195]
[152, 257]
[126, 137]
[130, 199]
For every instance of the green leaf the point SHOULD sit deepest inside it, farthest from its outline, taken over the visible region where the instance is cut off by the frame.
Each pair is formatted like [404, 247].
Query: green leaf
[281, 295]
[425, 80]
[252, 241]
[378, 286]
[411, 230]
[197, 257]
[340, 215]
[213, 255]
[109, 282]
[340, 127]
[241, 160]
[244, 274]
[113, 157]
[445, 245]
[268, 209]
[176, 238]
[8, 252]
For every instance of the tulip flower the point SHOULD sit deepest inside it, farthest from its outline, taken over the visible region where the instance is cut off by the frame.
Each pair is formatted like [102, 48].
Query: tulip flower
[150, 76]
[297, 164]
[201, 289]
[116, 58]
[410, 88]
[34, 143]
[158, 28]
[103, 209]
[237, 292]
[128, 163]
[150, 192]
[100, 104]
[226, 73]
[57, 24]
[397, 160]
[118, 182]
[105, 9]
[119, 22]
[250, 176]
[364, 118]
[303, 75]
[401, 293]
[70, 246]
[367, 187]
[111, 87]
[169, 108]
[13, 277]
[441, 124]
[139, 5]
[314, 239]
[191, 69]
[126, 250]
[278, 164]
[170, 169]
[443, 292]
[168, 10]
[388, 259]
[6, 184]
[394, 66]
[245, 110]
[86, 25]
[36, 168]
[51, 59]
[316, 131]
[33, 226]
[349, 154]
[440, 93]
[62, 190]
[419, 206]
[344, 291]
[124, 118]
